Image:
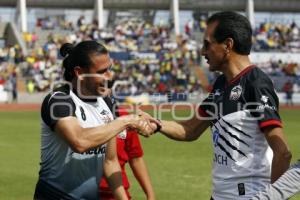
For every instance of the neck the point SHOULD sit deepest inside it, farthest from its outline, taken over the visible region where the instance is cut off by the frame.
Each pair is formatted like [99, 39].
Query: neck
[83, 94]
[235, 65]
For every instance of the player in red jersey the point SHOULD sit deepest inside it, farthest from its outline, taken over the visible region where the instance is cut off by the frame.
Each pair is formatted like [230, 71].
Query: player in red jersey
[129, 149]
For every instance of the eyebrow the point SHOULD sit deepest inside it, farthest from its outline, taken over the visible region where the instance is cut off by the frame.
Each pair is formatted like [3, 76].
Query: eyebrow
[106, 69]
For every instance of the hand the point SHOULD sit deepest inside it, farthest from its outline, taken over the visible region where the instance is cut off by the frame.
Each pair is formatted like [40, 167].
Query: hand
[145, 128]
[143, 125]
[151, 125]
[153, 121]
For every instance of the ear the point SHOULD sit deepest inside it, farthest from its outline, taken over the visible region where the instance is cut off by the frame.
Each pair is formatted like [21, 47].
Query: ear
[78, 72]
[229, 42]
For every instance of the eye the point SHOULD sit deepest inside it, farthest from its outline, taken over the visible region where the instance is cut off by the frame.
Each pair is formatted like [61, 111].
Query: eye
[102, 71]
[109, 69]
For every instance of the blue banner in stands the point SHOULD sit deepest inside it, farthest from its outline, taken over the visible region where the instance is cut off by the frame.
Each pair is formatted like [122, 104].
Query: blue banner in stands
[120, 55]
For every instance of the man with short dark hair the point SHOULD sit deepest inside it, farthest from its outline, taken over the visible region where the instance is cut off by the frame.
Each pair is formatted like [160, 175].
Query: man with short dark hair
[242, 111]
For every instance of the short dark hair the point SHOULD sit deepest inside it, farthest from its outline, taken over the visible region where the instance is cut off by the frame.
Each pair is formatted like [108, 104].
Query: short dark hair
[235, 26]
[79, 55]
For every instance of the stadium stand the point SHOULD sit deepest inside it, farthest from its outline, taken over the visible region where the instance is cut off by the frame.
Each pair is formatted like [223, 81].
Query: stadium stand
[145, 54]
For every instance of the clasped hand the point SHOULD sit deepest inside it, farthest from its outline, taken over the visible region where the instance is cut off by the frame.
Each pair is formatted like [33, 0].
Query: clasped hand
[144, 123]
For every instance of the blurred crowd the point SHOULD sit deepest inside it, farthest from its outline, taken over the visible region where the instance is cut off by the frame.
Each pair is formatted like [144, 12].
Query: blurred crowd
[274, 36]
[171, 69]
[283, 74]
[279, 68]
[155, 76]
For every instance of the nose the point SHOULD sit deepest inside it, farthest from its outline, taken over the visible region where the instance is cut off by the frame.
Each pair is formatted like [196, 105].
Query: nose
[108, 79]
[108, 75]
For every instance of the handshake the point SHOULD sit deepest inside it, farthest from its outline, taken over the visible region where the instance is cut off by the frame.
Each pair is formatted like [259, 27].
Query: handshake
[144, 123]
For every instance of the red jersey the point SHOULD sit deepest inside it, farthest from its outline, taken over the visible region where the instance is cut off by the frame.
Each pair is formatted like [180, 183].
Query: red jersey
[128, 147]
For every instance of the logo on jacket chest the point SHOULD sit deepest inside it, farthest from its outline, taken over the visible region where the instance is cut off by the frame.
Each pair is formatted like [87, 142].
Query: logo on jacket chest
[236, 93]
[105, 117]
[122, 135]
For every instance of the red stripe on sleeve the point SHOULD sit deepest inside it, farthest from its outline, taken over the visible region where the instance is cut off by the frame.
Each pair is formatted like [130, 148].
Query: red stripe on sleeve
[272, 122]
[202, 112]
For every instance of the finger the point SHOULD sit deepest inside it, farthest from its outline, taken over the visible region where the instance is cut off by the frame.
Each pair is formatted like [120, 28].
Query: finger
[156, 121]
[142, 113]
[152, 121]
[142, 134]
[149, 117]
[148, 121]
[146, 128]
[142, 126]
[139, 111]
[153, 126]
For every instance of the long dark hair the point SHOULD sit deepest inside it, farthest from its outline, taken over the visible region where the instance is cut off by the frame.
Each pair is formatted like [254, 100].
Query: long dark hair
[79, 55]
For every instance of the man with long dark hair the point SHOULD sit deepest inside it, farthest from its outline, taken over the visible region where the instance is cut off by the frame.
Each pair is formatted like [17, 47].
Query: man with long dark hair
[78, 131]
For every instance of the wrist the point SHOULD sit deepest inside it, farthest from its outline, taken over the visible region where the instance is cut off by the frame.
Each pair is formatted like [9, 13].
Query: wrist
[158, 126]
[125, 121]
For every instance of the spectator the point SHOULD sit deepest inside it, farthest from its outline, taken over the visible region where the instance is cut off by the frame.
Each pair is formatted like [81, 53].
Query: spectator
[288, 89]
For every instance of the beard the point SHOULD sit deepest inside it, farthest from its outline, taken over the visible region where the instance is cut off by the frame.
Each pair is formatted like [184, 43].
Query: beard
[103, 91]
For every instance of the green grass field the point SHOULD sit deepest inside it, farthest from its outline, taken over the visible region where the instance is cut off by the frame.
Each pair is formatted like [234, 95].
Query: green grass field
[178, 170]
